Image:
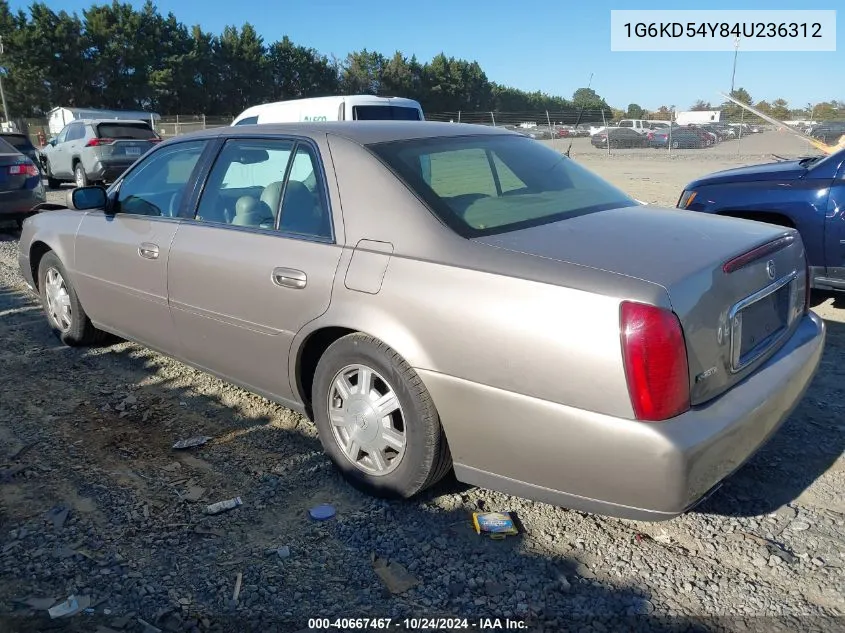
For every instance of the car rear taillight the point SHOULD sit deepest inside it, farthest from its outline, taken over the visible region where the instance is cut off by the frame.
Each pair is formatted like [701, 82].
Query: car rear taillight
[655, 357]
[28, 169]
[651, 136]
[96, 142]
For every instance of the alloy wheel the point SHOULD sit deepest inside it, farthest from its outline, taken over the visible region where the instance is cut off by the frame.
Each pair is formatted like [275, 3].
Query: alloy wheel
[58, 299]
[367, 420]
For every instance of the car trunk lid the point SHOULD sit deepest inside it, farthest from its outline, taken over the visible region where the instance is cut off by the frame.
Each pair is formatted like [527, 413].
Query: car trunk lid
[15, 172]
[733, 316]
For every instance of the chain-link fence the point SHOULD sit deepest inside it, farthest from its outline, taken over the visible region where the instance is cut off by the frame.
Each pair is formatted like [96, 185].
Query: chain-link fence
[38, 129]
[688, 134]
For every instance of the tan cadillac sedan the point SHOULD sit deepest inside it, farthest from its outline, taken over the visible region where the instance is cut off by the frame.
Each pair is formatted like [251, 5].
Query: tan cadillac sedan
[442, 296]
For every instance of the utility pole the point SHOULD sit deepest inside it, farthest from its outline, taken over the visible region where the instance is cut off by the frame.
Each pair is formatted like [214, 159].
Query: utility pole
[2, 93]
[733, 74]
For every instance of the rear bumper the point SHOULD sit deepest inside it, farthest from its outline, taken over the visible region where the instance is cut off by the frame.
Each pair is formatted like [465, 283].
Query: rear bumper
[19, 203]
[107, 169]
[586, 461]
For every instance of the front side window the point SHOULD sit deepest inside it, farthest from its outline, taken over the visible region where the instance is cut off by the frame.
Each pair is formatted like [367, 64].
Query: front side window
[481, 185]
[158, 183]
[250, 120]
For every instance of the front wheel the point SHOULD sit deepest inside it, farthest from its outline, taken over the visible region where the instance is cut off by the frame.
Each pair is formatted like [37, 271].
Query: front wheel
[61, 305]
[376, 420]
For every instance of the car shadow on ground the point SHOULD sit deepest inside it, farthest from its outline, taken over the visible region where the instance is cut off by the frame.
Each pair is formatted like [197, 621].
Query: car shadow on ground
[112, 415]
[801, 452]
[820, 296]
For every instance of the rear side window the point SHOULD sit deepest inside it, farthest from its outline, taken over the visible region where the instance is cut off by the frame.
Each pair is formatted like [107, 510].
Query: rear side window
[18, 141]
[137, 131]
[385, 113]
[250, 120]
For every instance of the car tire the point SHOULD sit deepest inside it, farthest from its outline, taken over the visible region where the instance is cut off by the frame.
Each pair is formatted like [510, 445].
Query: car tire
[347, 422]
[676, 144]
[79, 176]
[52, 183]
[73, 327]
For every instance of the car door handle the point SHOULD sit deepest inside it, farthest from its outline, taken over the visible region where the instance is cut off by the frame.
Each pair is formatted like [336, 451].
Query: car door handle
[148, 250]
[289, 278]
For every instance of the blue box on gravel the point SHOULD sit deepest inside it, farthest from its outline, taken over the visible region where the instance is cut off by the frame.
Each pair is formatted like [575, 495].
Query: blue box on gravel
[496, 525]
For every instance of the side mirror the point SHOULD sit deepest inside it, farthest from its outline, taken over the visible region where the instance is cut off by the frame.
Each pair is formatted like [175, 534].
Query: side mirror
[52, 142]
[85, 198]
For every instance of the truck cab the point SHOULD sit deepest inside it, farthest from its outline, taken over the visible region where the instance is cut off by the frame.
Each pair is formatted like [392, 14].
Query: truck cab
[640, 126]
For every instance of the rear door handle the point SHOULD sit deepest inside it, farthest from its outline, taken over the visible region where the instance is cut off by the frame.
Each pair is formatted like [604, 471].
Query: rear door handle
[289, 278]
[148, 250]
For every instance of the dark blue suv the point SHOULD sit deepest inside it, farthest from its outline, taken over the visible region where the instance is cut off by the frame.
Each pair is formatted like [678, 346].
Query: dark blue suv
[806, 194]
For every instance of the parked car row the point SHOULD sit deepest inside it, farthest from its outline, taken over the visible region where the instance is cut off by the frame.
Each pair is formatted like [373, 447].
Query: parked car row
[828, 132]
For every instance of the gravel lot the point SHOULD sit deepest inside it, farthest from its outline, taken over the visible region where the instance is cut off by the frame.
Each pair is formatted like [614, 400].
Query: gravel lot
[91, 430]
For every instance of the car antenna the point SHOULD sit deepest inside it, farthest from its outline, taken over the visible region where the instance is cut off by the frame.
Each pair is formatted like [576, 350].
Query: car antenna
[578, 120]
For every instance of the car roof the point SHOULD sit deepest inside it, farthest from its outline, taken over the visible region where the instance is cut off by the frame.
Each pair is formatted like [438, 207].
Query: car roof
[361, 132]
[114, 121]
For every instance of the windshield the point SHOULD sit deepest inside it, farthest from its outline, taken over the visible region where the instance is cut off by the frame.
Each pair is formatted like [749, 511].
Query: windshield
[135, 131]
[18, 141]
[481, 185]
[385, 113]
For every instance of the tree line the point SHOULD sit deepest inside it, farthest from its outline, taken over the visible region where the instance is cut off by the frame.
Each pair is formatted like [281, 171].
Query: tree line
[116, 56]
[119, 57]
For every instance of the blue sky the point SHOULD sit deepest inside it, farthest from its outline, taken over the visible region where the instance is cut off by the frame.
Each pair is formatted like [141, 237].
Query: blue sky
[551, 47]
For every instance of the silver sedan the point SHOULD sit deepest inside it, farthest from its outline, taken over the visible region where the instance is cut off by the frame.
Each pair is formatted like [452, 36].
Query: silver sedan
[441, 296]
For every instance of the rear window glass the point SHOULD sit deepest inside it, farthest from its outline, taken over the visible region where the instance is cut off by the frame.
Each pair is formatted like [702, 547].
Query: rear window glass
[138, 131]
[481, 185]
[385, 113]
[6, 148]
[19, 141]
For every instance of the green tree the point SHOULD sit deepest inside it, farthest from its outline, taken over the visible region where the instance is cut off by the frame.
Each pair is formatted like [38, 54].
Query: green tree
[701, 106]
[296, 72]
[780, 109]
[734, 112]
[362, 73]
[634, 111]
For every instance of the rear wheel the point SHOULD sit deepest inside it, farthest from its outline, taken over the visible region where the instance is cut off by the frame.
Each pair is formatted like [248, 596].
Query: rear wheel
[377, 422]
[64, 311]
[676, 144]
[52, 183]
[80, 176]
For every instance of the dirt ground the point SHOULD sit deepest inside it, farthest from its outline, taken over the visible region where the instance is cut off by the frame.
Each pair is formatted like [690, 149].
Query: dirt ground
[90, 432]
